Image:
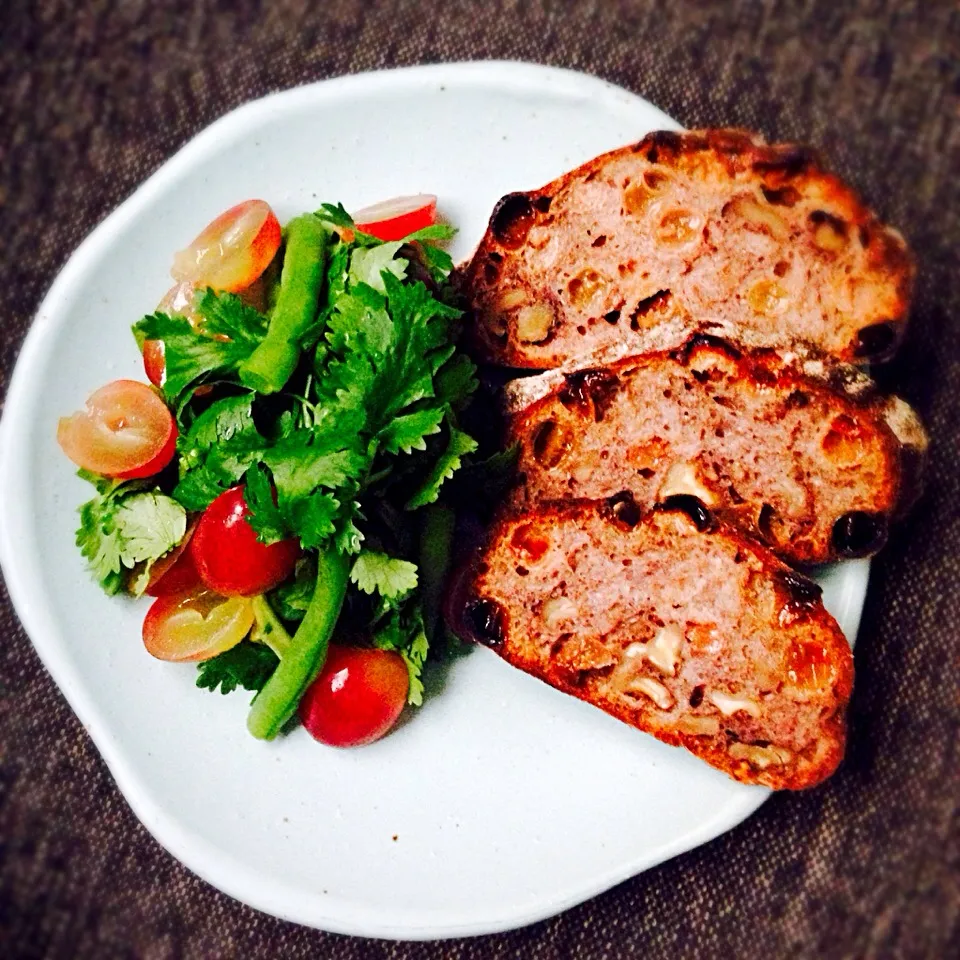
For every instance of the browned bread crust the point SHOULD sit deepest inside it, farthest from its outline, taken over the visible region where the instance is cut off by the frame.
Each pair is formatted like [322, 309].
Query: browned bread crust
[673, 623]
[802, 455]
[711, 229]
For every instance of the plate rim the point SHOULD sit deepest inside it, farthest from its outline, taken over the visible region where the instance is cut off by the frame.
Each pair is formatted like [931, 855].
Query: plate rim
[225, 873]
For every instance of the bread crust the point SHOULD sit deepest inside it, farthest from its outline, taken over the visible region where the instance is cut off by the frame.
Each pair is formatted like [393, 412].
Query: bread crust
[542, 295]
[849, 449]
[491, 603]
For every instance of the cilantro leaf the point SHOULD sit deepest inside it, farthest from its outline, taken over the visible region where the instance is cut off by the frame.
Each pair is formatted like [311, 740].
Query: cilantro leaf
[218, 471]
[403, 632]
[99, 543]
[220, 446]
[265, 518]
[415, 656]
[188, 354]
[384, 352]
[367, 264]
[308, 459]
[456, 380]
[148, 525]
[406, 433]
[339, 218]
[420, 319]
[104, 485]
[249, 665]
[436, 231]
[376, 572]
[337, 215]
[360, 321]
[347, 535]
[438, 262]
[338, 270]
[191, 353]
[459, 445]
[226, 420]
[314, 518]
[291, 599]
[308, 467]
[122, 527]
[226, 315]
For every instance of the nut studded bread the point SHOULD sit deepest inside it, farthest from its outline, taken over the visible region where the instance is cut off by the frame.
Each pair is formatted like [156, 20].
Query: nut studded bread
[811, 466]
[712, 230]
[672, 622]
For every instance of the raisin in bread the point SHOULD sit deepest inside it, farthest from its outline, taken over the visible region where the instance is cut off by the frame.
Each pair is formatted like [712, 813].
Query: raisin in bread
[711, 229]
[672, 622]
[805, 456]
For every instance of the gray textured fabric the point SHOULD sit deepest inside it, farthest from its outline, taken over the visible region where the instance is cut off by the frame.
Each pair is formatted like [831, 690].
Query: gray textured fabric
[95, 94]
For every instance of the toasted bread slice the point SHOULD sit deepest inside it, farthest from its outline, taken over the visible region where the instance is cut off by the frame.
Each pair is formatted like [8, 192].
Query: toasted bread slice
[711, 230]
[806, 457]
[672, 622]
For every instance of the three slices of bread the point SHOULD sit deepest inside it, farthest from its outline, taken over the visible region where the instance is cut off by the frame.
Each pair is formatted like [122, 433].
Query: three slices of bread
[695, 299]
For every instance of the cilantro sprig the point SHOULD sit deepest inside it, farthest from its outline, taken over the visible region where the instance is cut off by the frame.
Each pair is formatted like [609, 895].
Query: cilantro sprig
[226, 335]
[248, 665]
[125, 526]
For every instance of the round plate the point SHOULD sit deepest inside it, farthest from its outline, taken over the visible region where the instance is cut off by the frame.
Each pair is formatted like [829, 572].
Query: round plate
[500, 802]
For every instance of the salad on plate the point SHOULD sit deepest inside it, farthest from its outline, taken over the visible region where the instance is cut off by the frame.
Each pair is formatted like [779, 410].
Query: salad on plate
[279, 487]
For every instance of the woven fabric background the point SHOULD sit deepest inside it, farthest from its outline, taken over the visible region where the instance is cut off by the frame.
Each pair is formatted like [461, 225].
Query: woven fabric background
[96, 94]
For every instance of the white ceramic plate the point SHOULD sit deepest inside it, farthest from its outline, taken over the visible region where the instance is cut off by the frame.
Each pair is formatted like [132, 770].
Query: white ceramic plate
[501, 802]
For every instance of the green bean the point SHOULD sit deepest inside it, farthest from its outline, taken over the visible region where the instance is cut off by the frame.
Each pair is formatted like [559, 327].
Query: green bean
[270, 365]
[304, 658]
